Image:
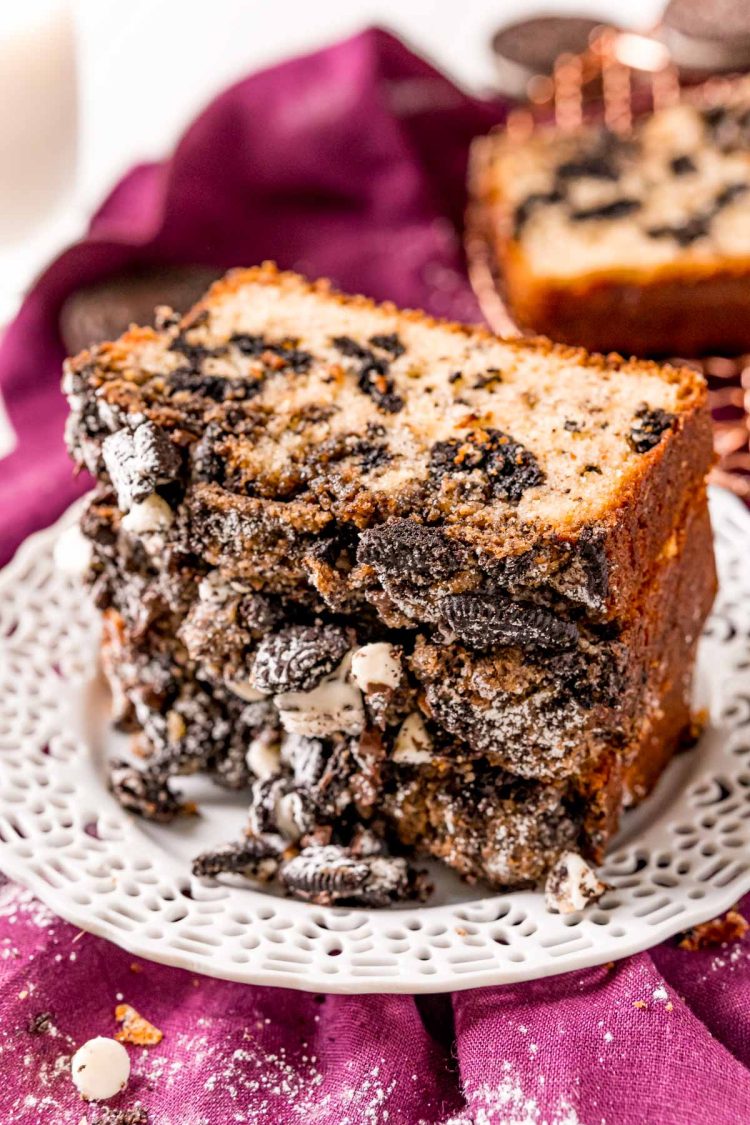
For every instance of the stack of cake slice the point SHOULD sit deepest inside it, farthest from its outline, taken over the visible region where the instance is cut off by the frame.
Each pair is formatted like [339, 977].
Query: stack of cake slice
[419, 590]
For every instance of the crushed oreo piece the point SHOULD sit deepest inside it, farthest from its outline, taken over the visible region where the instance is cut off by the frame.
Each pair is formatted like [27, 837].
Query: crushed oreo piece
[714, 116]
[255, 857]
[647, 430]
[509, 467]
[230, 769]
[369, 452]
[683, 165]
[194, 353]
[728, 194]
[375, 381]
[294, 359]
[489, 379]
[372, 374]
[482, 620]
[265, 795]
[140, 461]
[277, 808]
[390, 344]
[306, 756]
[248, 345]
[594, 165]
[330, 874]
[208, 386]
[145, 792]
[350, 348]
[525, 209]
[208, 463]
[40, 1024]
[617, 209]
[727, 128]
[297, 658]
[683, 233]
[698, 226]
[372, 455]
[572, 884]
[403, 548]
[572, 426]
[105, 1115]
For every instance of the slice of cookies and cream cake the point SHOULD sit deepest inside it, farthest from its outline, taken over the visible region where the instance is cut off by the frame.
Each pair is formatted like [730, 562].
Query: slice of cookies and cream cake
[638, 242]
[299, 492]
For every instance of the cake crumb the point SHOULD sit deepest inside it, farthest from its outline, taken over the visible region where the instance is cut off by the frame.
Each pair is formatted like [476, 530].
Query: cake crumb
[571, 885]
[727, 928]
[135, 1029]
[40, 1024]
[696, 727]
[136, 1115]
[640, 1004]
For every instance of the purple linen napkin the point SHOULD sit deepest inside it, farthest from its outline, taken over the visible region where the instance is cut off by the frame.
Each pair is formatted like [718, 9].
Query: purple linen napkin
[348, 163]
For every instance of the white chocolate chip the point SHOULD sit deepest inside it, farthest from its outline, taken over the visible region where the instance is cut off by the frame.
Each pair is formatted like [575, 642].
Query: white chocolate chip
[264, 756]
[376, 665]
[73, 552]
[151, 514]
[335, 705]
[413, 744]
[572, 884]
[100, 1069]
[290, 816]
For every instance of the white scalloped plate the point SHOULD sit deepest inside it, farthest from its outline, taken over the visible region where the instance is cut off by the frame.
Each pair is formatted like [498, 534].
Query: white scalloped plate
[681, 858]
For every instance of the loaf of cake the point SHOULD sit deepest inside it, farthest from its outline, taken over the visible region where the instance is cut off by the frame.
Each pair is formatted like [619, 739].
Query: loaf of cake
[638, 243]
[418, 590]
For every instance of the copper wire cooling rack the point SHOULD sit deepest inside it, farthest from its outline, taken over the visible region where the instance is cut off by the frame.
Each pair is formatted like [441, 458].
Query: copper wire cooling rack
[621, 76]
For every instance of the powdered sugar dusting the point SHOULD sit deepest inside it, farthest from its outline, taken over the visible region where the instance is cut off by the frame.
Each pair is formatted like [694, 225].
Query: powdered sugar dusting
[508, 1102]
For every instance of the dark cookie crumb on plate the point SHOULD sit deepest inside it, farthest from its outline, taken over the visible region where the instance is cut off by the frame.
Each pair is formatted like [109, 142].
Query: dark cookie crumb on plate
[146, 793]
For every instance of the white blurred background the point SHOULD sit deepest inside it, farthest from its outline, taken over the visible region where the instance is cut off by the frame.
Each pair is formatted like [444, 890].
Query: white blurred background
[148, 65]
[89, 87]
